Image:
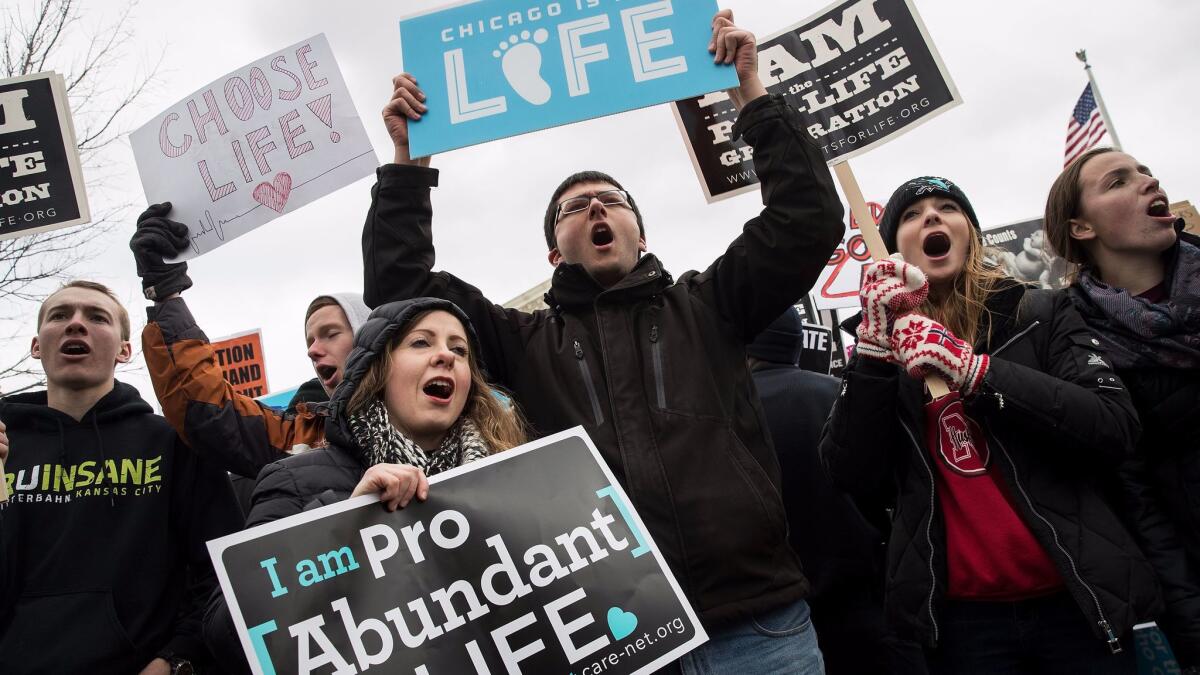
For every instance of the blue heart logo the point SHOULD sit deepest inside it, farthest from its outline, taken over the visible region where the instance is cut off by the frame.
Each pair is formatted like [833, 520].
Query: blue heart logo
[621, 623]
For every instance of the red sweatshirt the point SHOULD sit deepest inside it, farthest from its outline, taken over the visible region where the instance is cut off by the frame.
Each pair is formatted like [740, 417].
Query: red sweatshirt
[990, 552]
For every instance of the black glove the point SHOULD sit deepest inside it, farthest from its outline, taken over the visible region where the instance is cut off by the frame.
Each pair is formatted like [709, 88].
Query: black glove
[156, 238]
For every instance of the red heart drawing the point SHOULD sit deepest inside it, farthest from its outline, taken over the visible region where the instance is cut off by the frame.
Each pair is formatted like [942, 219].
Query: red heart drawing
[274, 195]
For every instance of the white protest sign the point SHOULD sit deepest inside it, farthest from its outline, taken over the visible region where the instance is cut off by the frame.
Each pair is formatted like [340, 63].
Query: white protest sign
[264, 140]
[837, 286]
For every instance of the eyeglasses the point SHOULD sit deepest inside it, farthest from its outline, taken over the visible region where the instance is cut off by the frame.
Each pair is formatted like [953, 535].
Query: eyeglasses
[577, 204]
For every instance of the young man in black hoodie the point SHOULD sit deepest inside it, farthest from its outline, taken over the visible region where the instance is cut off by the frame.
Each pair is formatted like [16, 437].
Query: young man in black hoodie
[103, 564]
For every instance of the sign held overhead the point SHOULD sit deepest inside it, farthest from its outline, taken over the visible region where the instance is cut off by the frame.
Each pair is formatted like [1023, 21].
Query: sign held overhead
[860, 72]
[264, 140]
[497, 68]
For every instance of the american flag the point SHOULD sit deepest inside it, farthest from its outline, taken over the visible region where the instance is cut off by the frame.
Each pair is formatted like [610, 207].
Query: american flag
[1086, 126]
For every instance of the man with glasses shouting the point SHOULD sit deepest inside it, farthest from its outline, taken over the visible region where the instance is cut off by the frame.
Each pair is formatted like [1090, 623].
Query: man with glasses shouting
[655, 369]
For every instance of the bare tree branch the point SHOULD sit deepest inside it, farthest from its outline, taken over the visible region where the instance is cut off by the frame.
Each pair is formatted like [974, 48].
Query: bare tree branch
[40, 35]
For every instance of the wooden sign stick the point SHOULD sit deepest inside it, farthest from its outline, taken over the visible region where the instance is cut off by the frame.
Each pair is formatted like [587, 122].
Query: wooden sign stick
[875, 245]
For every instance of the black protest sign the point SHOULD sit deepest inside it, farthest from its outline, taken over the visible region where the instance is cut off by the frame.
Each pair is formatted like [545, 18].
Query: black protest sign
[816, 353]
[806, 309]
[41, 184]
[859, 71]
[837, 358]
[1021, 249]
[529, 561]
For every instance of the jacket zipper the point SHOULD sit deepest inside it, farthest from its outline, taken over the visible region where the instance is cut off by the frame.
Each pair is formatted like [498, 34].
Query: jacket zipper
[928, 528]
[587, 382]
[1015, 338]
[1114, 644]
[997, 395]
[656, 352]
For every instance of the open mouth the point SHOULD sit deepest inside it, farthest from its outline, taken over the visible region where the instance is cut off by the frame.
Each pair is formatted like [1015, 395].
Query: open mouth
[75, 348]
[1159, 209]
[602, 236]
[936, 245]
[439, 388]
[326, 372]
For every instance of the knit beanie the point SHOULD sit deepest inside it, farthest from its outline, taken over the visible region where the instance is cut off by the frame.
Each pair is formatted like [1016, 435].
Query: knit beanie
[781, 341]
[352, 306]
[916, 190]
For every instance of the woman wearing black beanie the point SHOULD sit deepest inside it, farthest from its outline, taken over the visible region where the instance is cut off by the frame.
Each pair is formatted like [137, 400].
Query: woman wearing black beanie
[1005, 555]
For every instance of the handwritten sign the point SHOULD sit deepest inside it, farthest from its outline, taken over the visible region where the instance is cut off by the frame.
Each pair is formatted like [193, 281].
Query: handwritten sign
[837, 286]
[532, 560]
[264, 140]
[240, 358]
[860, 72]
[498, 68]
[41, 183]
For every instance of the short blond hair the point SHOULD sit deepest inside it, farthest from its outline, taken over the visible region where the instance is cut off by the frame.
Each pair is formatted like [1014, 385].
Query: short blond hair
[122, 313]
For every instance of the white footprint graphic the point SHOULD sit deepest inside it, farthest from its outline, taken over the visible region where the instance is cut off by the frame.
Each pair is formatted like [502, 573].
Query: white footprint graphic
[522, 65]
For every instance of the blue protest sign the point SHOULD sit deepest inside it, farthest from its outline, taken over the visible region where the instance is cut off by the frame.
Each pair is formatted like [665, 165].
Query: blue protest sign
[497, 68]
[1154, 655]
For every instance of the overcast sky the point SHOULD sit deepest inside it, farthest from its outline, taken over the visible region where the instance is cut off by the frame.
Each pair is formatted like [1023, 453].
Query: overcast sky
[1013, 64]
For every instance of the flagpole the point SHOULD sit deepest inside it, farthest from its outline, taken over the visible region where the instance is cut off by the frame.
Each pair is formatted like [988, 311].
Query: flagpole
[1112, 131]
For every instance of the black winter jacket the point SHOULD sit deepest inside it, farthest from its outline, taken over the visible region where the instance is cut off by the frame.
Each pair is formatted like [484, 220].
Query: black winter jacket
[655, 371]
[842, 550]
[103, 565]
[1058, 421]
[1166, 511]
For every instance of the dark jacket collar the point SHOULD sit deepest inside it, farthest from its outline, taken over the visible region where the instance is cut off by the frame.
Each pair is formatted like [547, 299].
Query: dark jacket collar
[572, 287]
[31, 408]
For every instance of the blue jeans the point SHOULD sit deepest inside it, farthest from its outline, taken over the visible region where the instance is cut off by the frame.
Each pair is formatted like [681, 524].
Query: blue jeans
[1042, 635]
[781, 640]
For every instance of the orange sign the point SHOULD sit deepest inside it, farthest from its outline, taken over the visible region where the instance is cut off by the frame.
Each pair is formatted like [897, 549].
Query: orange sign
[240, 358]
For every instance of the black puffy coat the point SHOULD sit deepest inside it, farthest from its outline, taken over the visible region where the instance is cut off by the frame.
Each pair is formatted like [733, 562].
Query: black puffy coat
[1058, 423]
[655, 371]
[842, 551]
[1166, 514]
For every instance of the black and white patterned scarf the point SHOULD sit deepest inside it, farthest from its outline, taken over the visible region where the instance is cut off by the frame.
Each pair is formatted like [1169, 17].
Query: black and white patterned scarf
[382, 443]
[1138, 333]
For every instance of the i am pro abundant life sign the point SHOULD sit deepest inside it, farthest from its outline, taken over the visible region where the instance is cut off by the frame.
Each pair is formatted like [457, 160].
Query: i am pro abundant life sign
[497, 68]
[529, 561]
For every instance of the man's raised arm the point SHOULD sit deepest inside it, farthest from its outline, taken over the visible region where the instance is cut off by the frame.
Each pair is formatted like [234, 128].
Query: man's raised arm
[397, 240]
[782, 250]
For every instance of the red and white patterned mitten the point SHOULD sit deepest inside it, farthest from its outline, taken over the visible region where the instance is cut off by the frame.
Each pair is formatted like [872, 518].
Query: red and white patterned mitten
[924, 347]
[890, 287]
